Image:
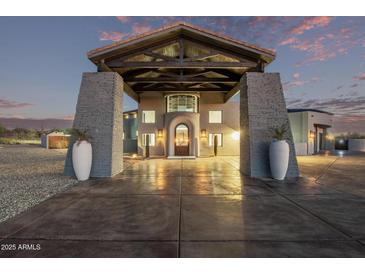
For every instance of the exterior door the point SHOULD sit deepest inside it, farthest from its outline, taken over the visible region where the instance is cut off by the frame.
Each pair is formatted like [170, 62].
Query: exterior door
[181, 140]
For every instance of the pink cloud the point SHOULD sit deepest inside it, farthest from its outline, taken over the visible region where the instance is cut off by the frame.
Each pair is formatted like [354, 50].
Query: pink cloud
[360, 77]
[297, 82]
[296, 75]
[13, 104]
[139, 28]
[69, 117]
[288, 41]
[123, 19]
[112, 36]
[310, 23]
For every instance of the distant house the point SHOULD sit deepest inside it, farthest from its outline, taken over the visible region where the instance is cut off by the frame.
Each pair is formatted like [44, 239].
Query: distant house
[55, 140]
[310, 128]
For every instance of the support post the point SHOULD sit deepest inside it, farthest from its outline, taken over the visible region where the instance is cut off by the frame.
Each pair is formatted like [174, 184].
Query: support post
[99, 110]
[262, 107]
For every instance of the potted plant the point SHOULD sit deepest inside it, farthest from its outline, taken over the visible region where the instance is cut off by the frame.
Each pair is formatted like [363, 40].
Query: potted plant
[279, 153]
[81, 154]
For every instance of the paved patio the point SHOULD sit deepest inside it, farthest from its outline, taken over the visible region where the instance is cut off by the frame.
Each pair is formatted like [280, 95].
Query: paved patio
[201, 208]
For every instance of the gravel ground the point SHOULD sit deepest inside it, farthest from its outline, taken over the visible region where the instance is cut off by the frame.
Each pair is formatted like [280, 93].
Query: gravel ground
[29, 174]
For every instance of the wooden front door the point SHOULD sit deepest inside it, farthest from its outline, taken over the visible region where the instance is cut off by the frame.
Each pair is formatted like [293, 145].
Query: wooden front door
[181, 140]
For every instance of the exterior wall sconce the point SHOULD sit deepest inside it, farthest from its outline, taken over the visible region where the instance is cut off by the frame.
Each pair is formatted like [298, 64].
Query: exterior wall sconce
[160, 133]
[312, 134]
[330, 137]
[236, 135]
[203, 133]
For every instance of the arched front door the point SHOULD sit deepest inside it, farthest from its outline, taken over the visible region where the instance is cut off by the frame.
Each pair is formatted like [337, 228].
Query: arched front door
[181, 140]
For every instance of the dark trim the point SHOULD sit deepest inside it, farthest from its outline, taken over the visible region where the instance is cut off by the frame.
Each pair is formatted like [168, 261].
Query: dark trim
[292, 110]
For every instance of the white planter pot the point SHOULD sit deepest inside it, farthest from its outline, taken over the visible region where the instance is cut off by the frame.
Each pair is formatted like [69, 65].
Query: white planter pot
[81, 159]
[279, 159]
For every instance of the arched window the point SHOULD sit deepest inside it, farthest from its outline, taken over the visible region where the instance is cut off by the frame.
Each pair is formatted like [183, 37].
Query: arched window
[182, 103]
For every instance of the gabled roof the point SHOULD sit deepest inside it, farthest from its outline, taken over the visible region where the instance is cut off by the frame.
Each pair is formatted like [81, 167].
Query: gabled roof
[181, 27]
[181, 58]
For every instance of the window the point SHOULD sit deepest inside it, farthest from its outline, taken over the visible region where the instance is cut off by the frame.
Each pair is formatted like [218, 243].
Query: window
[182, 103]
[148, 116]
[215, 116]
[211, 139]
[151, 137]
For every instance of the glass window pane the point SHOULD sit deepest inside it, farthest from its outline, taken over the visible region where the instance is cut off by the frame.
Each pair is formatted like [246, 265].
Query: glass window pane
[148, 116]
[182, 103]
[215, 116]
[152, 138]
[211, 139]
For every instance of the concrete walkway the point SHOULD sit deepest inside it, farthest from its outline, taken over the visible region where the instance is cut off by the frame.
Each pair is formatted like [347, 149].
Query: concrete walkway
[201, 208]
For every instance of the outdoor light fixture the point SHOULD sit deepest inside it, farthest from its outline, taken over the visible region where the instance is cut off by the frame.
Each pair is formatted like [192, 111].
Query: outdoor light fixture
[236, 135]
[203, 133]
[160, 133]
[311, 135]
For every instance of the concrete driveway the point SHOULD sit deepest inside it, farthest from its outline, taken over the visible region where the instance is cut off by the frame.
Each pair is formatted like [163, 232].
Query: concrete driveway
[200, 208]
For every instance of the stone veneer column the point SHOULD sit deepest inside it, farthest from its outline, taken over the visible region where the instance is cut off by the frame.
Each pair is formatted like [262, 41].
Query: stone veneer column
[99, 110]
[262, 107]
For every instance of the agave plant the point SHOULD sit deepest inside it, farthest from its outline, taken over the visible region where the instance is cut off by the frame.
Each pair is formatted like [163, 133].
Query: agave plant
[80, 135]
[278, 133]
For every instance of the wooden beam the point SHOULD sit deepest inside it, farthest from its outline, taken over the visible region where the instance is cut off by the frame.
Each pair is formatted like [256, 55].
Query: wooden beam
[260, 66]
[232, 92]
[117, 64]
[181, 51]
[159, 56]
[179, 89]
[200, 57]
[179, 79]
[131, 92]
[102, 67]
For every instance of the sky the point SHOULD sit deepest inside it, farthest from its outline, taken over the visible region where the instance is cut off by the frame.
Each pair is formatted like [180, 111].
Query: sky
[321, 60]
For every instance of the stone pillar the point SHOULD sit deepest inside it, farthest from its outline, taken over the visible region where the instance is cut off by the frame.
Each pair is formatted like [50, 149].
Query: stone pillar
[99, 110]
[262, 107]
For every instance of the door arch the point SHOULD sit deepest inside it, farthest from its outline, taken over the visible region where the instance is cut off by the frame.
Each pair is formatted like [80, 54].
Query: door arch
[182, 140]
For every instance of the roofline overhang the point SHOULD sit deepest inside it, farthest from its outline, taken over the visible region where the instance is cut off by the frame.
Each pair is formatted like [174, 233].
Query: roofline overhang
[98, 54]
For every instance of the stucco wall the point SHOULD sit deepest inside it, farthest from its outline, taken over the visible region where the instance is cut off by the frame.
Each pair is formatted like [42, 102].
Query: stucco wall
[230, 117]
[152, 101]
[207, 101]
[302, 123]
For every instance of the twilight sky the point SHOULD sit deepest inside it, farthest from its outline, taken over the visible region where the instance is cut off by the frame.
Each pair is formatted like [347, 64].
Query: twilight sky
[321, 59]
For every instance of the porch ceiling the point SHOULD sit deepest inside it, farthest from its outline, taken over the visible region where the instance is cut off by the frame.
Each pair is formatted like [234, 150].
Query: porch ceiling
[181, 58]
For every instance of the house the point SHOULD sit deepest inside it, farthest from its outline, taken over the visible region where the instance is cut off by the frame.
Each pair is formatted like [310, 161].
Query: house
[55, 140]
[183, 78]
[310, 128]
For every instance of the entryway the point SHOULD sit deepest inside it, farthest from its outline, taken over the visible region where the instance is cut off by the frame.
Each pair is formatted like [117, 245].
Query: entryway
[181, 140]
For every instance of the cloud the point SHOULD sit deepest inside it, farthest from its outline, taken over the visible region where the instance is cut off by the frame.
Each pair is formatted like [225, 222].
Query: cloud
[69, 117]
[123, 19]
[310, 23]
[8, 115]
[139, 28]
[360, 77]
[112, 36]
[288, 41]
[344, 106]
[13, 104]
[297, 82]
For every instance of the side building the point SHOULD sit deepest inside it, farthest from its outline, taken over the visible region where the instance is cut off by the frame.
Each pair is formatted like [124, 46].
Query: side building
[311, 130]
